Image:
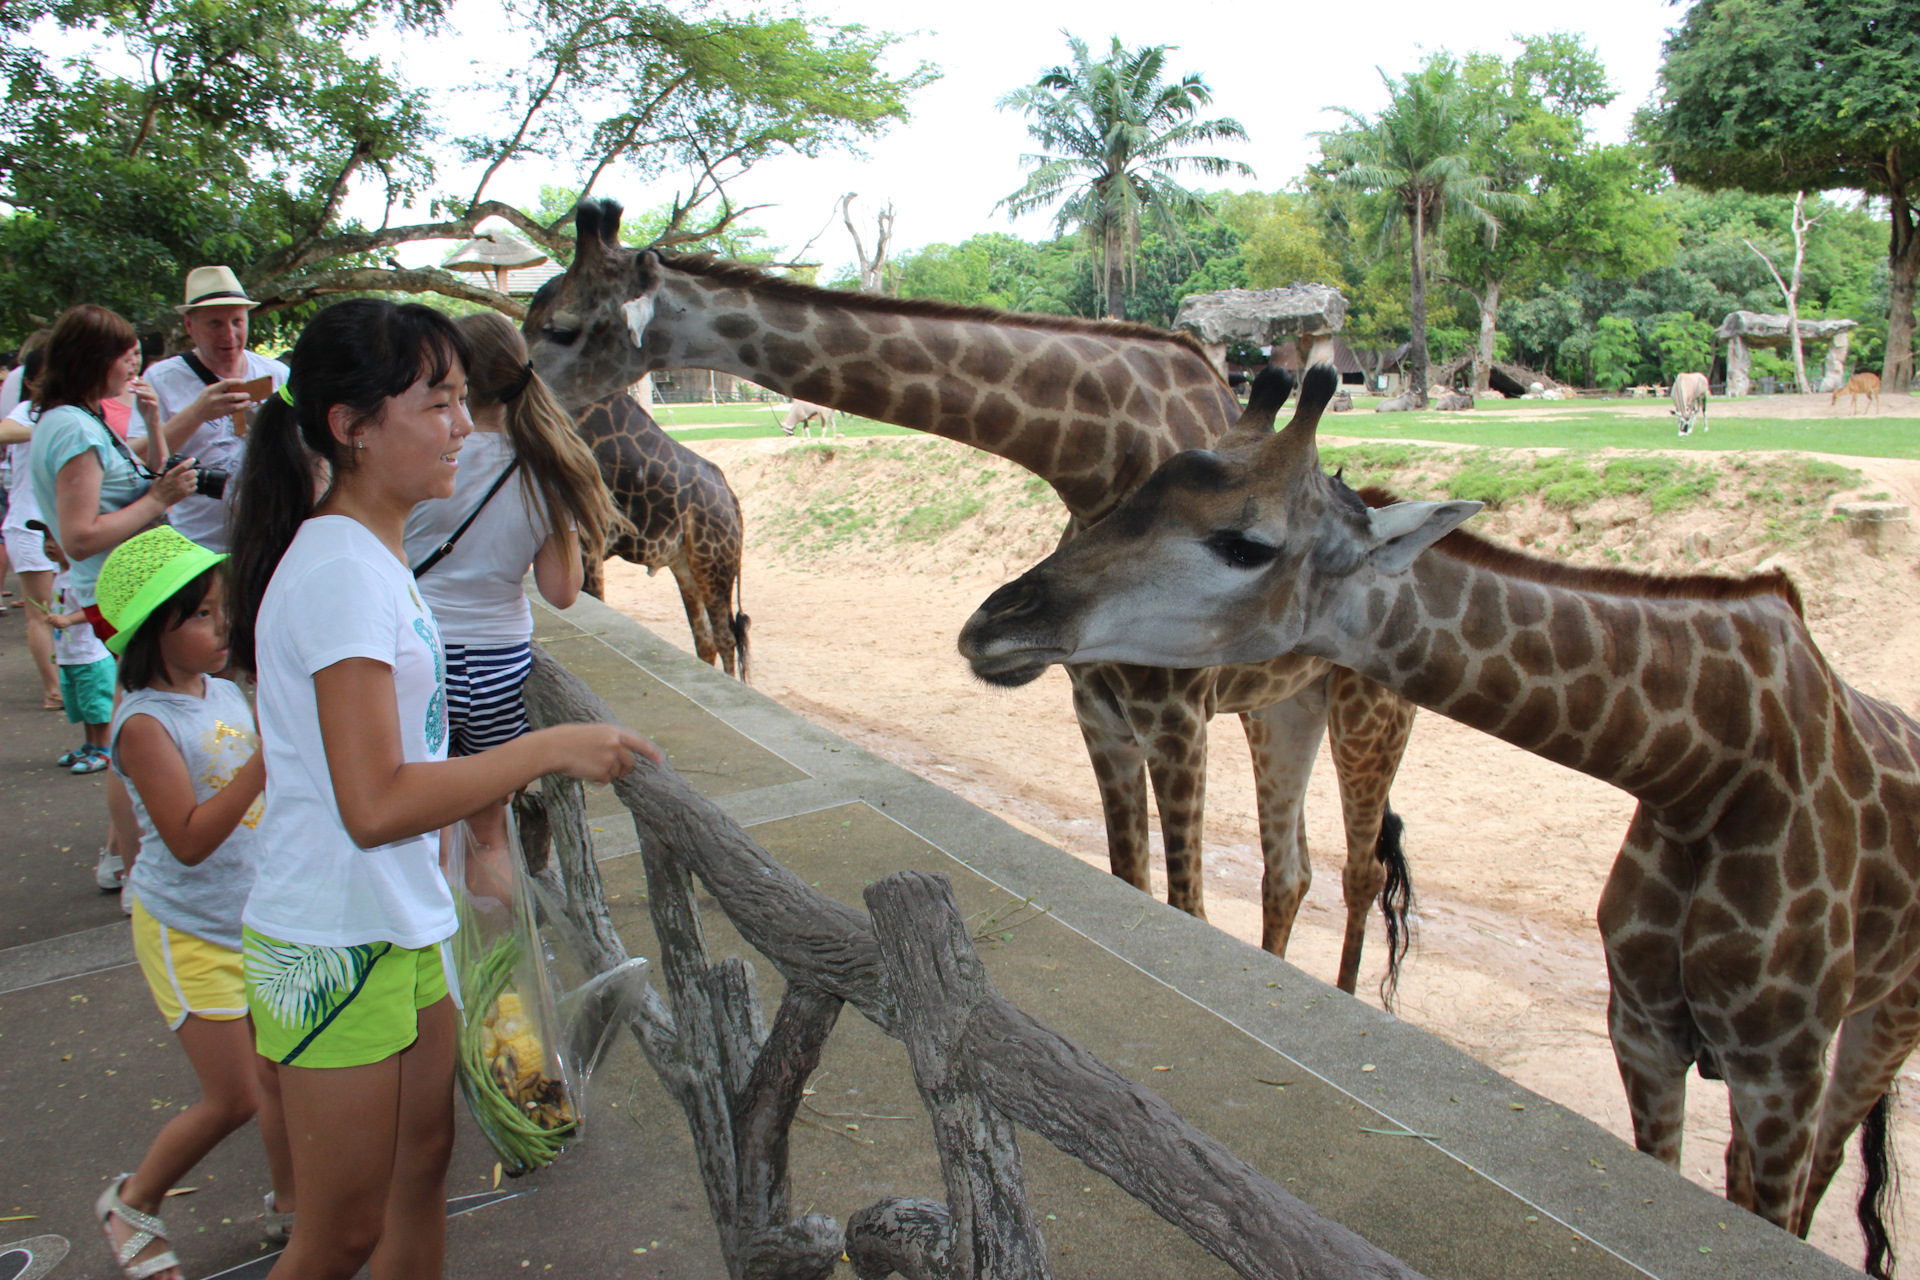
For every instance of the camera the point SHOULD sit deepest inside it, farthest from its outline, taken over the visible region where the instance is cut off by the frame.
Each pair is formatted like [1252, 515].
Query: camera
[212, 482]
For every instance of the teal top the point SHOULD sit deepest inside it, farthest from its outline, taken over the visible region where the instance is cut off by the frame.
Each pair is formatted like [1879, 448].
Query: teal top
[60, 435]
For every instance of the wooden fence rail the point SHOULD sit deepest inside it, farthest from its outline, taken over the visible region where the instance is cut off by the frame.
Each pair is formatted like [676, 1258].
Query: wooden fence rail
[982, 1065]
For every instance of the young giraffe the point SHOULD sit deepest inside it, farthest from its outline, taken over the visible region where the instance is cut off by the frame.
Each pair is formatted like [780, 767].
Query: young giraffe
[1090, 406]
[1765, 897]
[685, 518]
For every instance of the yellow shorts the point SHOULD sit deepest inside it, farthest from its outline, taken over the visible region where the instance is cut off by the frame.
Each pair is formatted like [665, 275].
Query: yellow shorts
[188, 975]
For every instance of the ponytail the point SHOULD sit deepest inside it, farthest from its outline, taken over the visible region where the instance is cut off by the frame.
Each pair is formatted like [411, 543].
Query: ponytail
[358, 354]
[558, 470]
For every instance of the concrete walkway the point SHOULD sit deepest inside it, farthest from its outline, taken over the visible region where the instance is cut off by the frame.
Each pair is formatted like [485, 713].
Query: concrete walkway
[1431, 1155]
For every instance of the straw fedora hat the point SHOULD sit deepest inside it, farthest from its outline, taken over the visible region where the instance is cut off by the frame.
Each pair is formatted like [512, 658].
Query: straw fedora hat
[214, 287]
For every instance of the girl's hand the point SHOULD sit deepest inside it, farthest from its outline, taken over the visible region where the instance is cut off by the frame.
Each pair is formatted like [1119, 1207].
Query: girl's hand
[176, 484]
[148, 402]
[598, 752]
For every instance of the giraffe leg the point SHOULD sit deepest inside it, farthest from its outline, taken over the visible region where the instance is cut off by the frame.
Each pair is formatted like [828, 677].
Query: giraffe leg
[704, 644]
[1173, 726]
[1284, 739]
[1119, 770]
[1647, 1018]
[1368, 726]
[1739, 1161]
[1874, 1044]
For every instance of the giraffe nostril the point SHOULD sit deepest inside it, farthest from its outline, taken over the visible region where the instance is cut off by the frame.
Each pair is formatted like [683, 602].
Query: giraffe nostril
[1017, 597]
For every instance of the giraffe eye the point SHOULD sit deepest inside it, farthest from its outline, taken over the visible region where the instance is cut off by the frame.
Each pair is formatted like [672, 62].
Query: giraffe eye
[562, 336]
[1240, 551]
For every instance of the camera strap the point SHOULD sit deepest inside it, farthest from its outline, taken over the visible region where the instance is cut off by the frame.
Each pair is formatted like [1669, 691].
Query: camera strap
[139, 468]
[440, 552]
[199, 368]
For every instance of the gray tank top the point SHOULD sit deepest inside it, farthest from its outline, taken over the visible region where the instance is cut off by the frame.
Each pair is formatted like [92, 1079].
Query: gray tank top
[216, 737]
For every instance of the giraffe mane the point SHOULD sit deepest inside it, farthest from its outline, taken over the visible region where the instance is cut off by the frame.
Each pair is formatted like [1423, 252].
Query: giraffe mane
[747, 277]
[1472, 549]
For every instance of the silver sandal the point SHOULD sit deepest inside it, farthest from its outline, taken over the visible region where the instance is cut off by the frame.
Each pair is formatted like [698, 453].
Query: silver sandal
[146, 1229]
[279, 1226]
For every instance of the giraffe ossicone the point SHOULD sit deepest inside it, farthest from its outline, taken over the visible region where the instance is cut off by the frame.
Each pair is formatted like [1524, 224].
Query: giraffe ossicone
[1764, 901]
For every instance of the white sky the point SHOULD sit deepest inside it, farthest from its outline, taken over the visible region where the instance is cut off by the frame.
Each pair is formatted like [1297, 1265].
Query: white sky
[1274, 69]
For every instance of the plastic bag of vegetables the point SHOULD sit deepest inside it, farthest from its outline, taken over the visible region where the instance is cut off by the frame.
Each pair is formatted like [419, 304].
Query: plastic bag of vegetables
[517, 1081]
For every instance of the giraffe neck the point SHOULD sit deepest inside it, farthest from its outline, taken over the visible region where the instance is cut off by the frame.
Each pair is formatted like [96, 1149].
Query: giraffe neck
[1091, 409]
[1662, 697]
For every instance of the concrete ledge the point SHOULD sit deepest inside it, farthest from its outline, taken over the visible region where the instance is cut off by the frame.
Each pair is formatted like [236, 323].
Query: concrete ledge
[1566, 1171]
[68, 956]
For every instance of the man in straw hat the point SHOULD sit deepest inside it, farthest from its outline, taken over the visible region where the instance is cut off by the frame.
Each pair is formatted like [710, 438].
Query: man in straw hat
[206, 395]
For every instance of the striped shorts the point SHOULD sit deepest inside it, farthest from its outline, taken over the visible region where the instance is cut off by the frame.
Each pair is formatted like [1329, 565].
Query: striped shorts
[484, 706]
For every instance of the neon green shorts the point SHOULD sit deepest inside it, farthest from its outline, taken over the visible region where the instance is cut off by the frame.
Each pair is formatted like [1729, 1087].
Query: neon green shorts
[318, 1006]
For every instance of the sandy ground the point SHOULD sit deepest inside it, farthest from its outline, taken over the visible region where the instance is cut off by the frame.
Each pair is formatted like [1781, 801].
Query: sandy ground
[1509, 852]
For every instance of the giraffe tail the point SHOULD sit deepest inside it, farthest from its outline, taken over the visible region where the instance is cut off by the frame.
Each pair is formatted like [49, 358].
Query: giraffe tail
[738, 624]
[1879, 1187]
[1396, 900]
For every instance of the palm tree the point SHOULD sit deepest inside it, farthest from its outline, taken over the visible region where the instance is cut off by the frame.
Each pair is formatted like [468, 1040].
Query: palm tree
[1414, 154]
[1112, 134]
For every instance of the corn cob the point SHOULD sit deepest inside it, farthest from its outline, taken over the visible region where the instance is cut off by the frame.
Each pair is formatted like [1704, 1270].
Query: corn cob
[525, 1113]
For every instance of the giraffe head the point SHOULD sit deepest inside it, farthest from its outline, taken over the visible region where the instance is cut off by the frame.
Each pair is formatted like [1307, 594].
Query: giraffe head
[1220, 557]
[586, 330]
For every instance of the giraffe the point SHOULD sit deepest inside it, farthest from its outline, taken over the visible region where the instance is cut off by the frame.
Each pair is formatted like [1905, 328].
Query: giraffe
[685, 518]
[1765, 898]
[1090, 406]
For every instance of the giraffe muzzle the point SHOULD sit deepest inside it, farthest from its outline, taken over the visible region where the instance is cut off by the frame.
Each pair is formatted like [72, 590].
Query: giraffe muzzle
[1006, 641]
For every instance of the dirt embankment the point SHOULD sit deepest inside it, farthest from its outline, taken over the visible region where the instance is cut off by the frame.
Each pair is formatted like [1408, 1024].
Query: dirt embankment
[864, 557]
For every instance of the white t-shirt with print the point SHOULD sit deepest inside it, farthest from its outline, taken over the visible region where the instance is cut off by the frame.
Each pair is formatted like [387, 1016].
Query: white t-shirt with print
[21, 505]
[212, 444]
[476, 590]
[77, 645]
[337, 594]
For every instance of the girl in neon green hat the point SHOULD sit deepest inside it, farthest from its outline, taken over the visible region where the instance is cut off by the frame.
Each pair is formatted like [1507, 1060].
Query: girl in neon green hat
[184, 743]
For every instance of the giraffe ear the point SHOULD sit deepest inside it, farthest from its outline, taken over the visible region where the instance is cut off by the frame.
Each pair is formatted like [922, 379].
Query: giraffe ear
[1399, 533]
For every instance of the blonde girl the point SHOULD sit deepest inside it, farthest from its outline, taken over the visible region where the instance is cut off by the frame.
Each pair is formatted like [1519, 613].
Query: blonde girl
[528, 495]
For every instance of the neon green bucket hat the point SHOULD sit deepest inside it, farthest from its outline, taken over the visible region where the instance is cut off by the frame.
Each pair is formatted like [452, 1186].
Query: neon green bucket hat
[142, 574]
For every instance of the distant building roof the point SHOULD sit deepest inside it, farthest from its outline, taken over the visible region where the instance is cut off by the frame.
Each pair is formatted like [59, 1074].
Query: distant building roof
[494, 251]
[516, 268]
[526, 281]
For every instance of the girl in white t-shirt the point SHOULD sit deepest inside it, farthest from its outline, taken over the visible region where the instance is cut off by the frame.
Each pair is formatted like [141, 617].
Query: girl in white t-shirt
[529, 495]
[346, 977]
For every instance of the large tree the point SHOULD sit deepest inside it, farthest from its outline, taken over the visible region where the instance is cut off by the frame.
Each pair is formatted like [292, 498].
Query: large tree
[1790, 95]
[1114, 134]
[185, 132]
[1587, 206]
[1415, 156]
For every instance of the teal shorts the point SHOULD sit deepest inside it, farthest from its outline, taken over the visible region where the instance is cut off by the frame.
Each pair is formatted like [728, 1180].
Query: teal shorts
[88, 690]
[316, 1006]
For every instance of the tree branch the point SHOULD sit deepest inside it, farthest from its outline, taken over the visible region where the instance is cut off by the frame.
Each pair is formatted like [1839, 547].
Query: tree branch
[538, 101]
[292, 259]
[335, 193]
[1771, 269]
[640, 118]
[288, 293]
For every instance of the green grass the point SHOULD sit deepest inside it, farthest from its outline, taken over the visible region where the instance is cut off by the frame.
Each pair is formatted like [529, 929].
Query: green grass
[761, 422]
[1587, 427]
[1566, 481]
